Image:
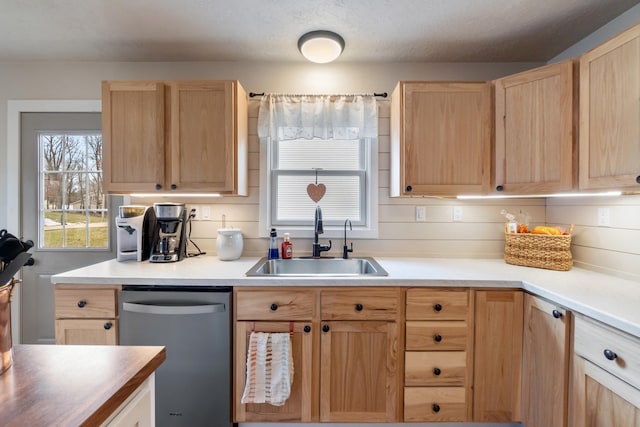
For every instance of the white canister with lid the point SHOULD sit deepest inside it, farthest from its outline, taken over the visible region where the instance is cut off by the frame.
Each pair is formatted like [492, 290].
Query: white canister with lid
[229, 244]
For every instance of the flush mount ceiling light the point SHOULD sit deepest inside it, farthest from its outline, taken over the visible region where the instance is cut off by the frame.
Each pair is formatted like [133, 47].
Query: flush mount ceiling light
[321, 46]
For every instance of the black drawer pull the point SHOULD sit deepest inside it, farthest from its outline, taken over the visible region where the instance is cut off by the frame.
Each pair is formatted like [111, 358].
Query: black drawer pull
[638, 179]
[409, 188]
[436, 407]
[82, 303]
[307, 328]
[359, 307]
[158, 187]
[173, 186]
[499, 188]
[437, 307]
[108, 325]
[437, 338]
[436, 371]
[610, 354]
[325, 328]
[274, 307]
[556, 314]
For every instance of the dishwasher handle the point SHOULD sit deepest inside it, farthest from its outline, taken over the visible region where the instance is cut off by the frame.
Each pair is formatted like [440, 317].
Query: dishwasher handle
[173, 309]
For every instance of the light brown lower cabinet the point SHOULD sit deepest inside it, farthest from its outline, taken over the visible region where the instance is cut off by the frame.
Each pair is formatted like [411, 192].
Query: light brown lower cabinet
[358, 371]
[298, 407]
[438, 355]
[545, 363]
[605, 390]
[498, 355]
[86, 315]
[345, 352]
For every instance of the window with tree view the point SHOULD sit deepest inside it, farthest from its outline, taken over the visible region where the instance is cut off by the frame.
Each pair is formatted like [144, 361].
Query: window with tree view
[73, 206]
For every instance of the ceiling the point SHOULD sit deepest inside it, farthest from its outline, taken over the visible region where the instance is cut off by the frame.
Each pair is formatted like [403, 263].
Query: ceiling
[268, 30]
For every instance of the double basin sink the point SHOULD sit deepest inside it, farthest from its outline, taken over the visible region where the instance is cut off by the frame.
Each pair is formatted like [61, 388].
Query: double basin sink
[365, 266]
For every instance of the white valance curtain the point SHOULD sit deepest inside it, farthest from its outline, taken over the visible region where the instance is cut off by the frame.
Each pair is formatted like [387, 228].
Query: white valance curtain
[288, 117]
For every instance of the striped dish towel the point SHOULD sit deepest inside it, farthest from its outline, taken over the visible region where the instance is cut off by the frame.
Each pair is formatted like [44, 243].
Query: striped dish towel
[269, 369]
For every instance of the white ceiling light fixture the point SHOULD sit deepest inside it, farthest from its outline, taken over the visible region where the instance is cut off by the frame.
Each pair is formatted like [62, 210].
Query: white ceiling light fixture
[321, 46]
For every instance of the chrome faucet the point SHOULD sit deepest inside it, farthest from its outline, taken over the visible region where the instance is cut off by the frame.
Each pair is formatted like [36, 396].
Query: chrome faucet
[318, 229]
[345, 248]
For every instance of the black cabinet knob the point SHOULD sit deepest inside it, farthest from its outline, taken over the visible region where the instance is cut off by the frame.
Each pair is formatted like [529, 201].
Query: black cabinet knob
[638, 179]
[307, 328]
[435, 407]
[556, 314]
[82, 303]
[173, 186]
[610, 354]
[158, 187]
[409, 188]
[325, 328]
[108, 325]
[274, 307]
[359, 307]
[437, 307]
[499, 188]
[437, 337]
[436, 371]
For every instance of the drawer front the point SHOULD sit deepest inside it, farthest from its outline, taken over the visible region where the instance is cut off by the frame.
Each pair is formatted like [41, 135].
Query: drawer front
[435, 368]
[592, 340]
[275, 305]
[425, 304]
[435, 404]
[85, 303]
[449, 335]
[360, 304]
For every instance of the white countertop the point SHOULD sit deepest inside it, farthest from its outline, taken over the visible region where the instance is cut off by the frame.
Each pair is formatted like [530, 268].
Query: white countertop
[610, 299]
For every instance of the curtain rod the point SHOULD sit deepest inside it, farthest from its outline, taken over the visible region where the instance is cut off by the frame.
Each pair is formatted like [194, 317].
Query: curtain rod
[383, 94]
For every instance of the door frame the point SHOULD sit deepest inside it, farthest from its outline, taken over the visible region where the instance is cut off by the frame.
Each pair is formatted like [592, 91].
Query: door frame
[12, 168]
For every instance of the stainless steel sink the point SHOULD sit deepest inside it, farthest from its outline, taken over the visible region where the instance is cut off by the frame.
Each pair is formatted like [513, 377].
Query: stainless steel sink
[365, 266]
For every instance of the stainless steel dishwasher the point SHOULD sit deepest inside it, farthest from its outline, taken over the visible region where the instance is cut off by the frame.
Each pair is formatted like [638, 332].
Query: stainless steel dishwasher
[193, 385]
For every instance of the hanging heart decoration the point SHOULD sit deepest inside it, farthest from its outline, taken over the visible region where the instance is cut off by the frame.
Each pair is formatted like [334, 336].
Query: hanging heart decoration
[316, 191]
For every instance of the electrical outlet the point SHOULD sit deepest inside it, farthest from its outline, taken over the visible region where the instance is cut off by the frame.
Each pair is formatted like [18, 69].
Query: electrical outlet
[604, 217]
[457, 213]
[421, 213]
[196, 210]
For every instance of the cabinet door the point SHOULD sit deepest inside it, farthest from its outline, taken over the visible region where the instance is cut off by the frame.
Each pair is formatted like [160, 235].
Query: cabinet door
[535, 138]
[599, 399]
[545, 364]
[299, 405]
[358, 372]
[610, 114]
[498, 355]
[133, 136]
[441, 142]
[87, 331]
[203, 133]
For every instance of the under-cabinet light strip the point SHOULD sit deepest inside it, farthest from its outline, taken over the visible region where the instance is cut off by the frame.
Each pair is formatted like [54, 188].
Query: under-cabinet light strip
[172, 195]
[528, 196]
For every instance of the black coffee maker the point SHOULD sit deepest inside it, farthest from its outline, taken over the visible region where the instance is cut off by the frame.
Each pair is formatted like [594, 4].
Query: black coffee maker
[169, 241]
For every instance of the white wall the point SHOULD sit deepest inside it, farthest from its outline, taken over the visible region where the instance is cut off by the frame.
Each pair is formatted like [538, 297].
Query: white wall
[622, 22]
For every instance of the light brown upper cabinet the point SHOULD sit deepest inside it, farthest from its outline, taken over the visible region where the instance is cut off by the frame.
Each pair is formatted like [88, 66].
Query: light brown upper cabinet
[535, 143]
[610, 114]
[181, 136]
[440, 138]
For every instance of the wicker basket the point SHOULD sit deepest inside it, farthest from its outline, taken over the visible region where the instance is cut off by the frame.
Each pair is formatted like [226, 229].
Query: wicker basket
[539, 250]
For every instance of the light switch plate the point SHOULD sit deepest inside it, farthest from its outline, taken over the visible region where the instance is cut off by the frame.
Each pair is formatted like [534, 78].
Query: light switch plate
[421, 213]
[604, 217]
[457, 213]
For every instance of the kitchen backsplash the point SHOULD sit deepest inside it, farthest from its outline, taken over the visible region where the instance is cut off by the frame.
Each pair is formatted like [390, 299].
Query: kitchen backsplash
[479, 235]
